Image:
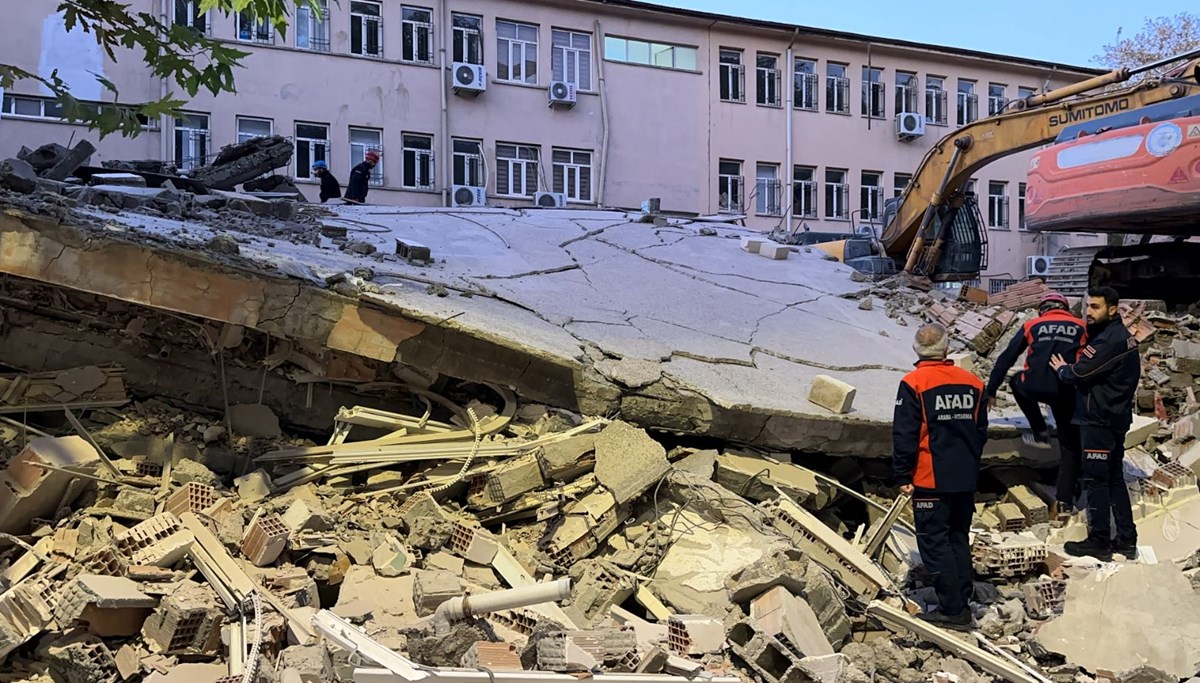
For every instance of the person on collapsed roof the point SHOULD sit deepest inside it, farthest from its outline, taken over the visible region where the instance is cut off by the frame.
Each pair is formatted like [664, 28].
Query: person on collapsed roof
[360, 178]
[330, 187]
[1056, 331]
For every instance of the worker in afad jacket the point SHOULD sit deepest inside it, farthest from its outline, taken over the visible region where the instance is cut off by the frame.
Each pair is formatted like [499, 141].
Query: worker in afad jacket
[938, 434]
[1105, 376]
[360, 178]
[1056, 331]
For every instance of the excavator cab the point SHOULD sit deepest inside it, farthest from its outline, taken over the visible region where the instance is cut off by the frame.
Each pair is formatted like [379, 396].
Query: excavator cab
[958, 222]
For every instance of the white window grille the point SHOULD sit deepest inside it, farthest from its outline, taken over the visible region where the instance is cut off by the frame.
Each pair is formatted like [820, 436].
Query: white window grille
[417, 153]
[874, 104]
[416, 35]
[188, 13]
[363, 140]
[936, 108]
[837, 89]
[312, 145]
[250, 128]
[191, 141]
[804, 192]
[366, 29]
[767, 200]
[252, 30]
[998, 205]
[768, 79]
[468, 163]
[312, 27]
[468, 38]
[871, 196]
[805, 85]
[733, 76]
[906, 92]
[968, 103]
[837, 194]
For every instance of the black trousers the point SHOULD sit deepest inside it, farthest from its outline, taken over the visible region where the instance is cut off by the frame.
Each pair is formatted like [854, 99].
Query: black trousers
[1062, 406]
[1104, 481]
[943, 523]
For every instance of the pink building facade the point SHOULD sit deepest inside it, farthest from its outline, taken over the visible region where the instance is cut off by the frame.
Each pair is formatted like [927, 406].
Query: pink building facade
[788, 125]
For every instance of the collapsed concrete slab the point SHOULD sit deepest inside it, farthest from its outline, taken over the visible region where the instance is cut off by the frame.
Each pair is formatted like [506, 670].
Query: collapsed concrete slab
[586, 310]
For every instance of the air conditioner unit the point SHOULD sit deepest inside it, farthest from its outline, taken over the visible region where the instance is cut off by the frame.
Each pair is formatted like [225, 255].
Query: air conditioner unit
[550, 200]
[467, 195]
[469, 78]
[562, 93]
[1039, 266]
[909, 126]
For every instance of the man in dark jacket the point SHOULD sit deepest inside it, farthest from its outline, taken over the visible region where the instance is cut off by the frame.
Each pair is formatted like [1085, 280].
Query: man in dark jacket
[1054, 332]
[938, 434]
[330, 188]
[1105, 377]
[360, 178]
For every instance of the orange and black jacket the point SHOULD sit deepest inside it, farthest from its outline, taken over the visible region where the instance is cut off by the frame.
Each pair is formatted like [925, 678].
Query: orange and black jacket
[1105, 376]
[1055, 332]
[940, 428]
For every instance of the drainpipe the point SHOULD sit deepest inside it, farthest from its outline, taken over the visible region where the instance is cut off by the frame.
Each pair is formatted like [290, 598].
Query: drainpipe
[166, 125]
[444, 133]
[603, 113]
[467, 606]
[789, 67]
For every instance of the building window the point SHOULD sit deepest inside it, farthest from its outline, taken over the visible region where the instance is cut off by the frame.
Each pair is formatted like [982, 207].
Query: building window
[768, 78]
[35, 107]
[191, 141]
[312, 145]
[312, 28]
[468, 38]
[366, 29]
[417, 156]
[1025, 92]
[188, 13]
[733, 76]
[873, 98]
[729, 186]
[571, 58]
[767, 191]
[969, 187]
[516, 52]
[572, 171]
[996, 98]
[837, 194]
[968, 102]
[1021, 206]
[630, 51]
[254, 30]
[998, 205]
[804, 192]
[248, 128]
[837, 89]
[363, 140]
[906, 92]
[416, 35]
[871, 195]
[468, 163]
[935, 101]
[900, 183]
[516, 170]
[805, 84]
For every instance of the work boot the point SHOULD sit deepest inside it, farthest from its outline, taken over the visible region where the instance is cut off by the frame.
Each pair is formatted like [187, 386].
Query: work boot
[957, 622]
[1089, 548]
[1127, 549]
[1036, 440]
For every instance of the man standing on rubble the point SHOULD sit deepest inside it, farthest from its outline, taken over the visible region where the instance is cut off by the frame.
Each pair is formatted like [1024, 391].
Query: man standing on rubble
[1105, 377]
[360, 178]
[330, 188]
[1054, 332]
[938, 434]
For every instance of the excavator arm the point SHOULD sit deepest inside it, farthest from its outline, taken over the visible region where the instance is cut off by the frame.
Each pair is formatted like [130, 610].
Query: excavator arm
[916, 238]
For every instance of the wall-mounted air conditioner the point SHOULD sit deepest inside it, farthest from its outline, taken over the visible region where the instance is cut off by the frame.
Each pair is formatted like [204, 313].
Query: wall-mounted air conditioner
[562, 93]
[1039, 266]
[550, 200]
[909, 126]
[470, 79]
[467, 195]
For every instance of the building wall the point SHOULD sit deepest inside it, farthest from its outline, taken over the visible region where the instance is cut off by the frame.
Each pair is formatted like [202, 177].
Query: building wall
[668, 130]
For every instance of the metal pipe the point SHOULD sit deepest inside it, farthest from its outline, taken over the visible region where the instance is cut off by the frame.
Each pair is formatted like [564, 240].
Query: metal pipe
[444, 124]
[1115, 76]
[604, 127]
[466, 606]
[790, 111]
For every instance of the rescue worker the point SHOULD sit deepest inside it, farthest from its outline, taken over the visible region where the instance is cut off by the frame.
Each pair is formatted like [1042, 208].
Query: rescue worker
[360, 178]
[330, 187]
[1054, 331]
[1105, 377]
[938, 434]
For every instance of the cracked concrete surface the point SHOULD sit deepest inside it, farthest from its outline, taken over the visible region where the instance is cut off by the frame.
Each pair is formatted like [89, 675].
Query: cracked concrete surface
[586, 309]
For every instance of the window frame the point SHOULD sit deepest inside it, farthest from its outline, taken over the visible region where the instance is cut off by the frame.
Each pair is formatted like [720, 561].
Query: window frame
[472, 163]
[804, 192]
[837, 195]
[1021, 225]
[505, 46]
[312, 25]
[561, 182]
[418, 155]
[870, 197]
[732, 74]
[652, 48]
[582, 57]
[256, 119]
[768, 190]
[997, 218]
[874, 93]
[199, 138]
[997, 103]
[195, 16]
[768, 81]
[838, 84]
[529, 169]
[416, 27]
[897, 190]
[304, 171]
[261, 33]
[803, 82]
[377, 177]
[732, 186]
[907, 94]
[362, 21]
[967, 102]
[937, 101]
[462, 37]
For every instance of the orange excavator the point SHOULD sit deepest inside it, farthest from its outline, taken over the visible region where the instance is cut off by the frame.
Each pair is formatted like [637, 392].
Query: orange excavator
[935, 227]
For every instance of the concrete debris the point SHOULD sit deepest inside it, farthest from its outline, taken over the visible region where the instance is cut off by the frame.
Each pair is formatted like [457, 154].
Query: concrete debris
[17, 176]
[236, 164]
[628, 461]
[831, 394]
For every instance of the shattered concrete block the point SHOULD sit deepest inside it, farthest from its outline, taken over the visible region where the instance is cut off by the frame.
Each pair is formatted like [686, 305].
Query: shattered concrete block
[421, 505]
[28, 491]
[1007, 554]
[1187, 356]
[187, 621]
[492, 656]
[757, 478]
[26, 610]
[192, 497]
[431, 589]
[763, 653]
[567, 651]
[18, 176]
[79, 657]
[1045, 597]
[109, 606]
[964, 360]
[391, 558]
[244, 161]
[254, 420]
[1031, 504]
[830, 668]
[265, 539]
[752, 244]
[305, 515]
[473, 543]
[583, 526]
[628, 461]
[831, 394]
[1140, 431]
[775, 252]
[118, 179]
[254, 487]
[160, 541]
[790, 620]
[1012, 517]
[513, 479]
[186, 470]
[567, 460]
[695, 634]
[79, 155]
[596, 589]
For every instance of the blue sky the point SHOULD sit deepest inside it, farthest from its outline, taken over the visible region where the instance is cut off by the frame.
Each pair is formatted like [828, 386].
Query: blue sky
[1067, 31]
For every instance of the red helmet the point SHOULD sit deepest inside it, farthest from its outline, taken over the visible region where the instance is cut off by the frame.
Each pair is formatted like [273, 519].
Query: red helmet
[1050, 298]
[372, 155]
